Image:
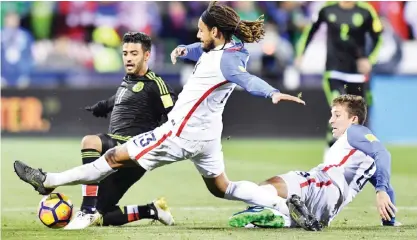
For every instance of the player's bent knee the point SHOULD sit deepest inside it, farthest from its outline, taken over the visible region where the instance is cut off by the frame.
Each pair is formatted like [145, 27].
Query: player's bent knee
[117, 157]
[279, 184]
[91, 142]
[218, 185]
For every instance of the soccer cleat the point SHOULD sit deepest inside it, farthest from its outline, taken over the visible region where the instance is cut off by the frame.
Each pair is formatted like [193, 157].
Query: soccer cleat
[83, 220]
[301, 215]
[162, 212]
[34, 177]
[257, 217]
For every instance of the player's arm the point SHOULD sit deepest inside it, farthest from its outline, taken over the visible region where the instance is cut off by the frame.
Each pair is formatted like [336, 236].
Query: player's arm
[103, 107]
[191, 52]
[233, 68]
[309, 32]
[374, 28]
[361, 138]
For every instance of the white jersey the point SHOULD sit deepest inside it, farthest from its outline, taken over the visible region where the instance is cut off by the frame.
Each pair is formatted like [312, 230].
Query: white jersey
[197, 114]
[350, 162]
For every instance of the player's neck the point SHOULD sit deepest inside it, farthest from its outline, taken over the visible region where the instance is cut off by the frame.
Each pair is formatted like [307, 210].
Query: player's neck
[347, 5]
[219, 43]
[143, 71]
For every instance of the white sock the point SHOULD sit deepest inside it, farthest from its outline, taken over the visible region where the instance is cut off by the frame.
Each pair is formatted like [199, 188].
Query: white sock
[254, 194]
[84, 174]
[270, 188]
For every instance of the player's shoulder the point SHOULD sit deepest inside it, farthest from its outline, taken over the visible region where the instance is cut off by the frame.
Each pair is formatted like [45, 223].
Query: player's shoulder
[360, 133]
[235, 53]
[151, 75]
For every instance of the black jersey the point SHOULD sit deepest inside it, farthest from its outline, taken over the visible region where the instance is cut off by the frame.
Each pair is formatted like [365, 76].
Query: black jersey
[346, 34]
[140, 104]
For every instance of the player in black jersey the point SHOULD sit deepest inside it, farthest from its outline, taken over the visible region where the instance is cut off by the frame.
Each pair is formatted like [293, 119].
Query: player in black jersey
[347, 64]
[140, 104]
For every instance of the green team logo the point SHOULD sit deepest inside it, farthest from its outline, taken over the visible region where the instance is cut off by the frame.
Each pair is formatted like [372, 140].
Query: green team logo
[138, 87]
[332, 17]
[357, 19]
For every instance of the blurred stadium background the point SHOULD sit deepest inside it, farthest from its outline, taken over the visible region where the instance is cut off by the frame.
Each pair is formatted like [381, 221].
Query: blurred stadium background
[58, 57]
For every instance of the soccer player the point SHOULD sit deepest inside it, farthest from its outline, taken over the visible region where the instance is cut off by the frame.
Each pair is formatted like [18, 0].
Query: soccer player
[347, 63]
[356, 158]
[140, 104]
[194, 126]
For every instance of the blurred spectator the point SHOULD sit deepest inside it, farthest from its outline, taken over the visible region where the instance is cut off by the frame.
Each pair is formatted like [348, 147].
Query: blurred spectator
[390, 54]
[16, 53]
[394, 12]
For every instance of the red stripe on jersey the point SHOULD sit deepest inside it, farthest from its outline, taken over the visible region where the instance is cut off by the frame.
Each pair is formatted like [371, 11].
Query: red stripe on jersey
[90, 191]
[148, 149]
[318, 184]
[345, 158]
[205, 95]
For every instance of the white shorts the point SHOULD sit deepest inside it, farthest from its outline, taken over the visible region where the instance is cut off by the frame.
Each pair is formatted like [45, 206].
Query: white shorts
[321, 196]
[161, 147]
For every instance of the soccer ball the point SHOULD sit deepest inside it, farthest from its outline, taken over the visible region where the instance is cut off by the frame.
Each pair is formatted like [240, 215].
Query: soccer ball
[55, 210]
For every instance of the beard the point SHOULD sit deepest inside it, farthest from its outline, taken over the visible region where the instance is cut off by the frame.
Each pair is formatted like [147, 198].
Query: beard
[209, 46]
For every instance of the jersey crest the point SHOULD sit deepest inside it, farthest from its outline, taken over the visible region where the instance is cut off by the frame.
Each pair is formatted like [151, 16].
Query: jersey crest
[138, 87]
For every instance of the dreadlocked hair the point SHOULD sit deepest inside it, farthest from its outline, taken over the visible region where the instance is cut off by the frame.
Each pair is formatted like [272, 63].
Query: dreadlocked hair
[229, 23]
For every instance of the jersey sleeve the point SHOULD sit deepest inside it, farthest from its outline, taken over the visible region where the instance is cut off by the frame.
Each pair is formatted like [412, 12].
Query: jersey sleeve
[193, 51]
[110, 102]
[309, 32]
[361, 138]
[374, 28]
[233, 68]
[164, 92]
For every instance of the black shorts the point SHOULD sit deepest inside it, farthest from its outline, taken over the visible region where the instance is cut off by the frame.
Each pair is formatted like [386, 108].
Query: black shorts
[109, 141]
[335, 87]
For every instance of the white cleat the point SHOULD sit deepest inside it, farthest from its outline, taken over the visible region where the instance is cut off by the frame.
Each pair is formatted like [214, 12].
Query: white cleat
[83, 220]
[162, 211]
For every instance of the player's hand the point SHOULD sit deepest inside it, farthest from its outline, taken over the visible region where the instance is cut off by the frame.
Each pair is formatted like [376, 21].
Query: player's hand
[384, 205]
[277, 96]
[99, 109]
[177, 52]
[364, 66]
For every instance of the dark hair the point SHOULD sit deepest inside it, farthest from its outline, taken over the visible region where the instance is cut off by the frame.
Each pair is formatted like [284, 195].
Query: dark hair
[228, 22]
[138, 37]
[356, 106]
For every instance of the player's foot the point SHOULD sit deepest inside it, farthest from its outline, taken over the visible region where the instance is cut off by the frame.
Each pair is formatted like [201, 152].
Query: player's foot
[162, 212]
[83, 220]
[258, 217]
[301, 215]
[34, 177]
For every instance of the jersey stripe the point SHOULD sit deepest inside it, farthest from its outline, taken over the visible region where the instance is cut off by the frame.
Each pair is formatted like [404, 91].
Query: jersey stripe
[150, 148]
[345, 158]
[205, 95]
[318, 184]
[161, 84]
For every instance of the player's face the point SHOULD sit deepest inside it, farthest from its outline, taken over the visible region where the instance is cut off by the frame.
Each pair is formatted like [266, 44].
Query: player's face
[205, 36]
[340, 120]
[134, 59]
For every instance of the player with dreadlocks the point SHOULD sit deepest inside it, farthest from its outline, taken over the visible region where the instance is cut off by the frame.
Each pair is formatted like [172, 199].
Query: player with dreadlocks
[194, 127]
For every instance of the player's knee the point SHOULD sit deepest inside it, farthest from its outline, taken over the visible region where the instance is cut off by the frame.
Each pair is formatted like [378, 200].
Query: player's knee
[117, 157]
[91, 142]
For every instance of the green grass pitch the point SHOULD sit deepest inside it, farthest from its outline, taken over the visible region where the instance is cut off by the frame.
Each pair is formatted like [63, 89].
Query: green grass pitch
[198, 214]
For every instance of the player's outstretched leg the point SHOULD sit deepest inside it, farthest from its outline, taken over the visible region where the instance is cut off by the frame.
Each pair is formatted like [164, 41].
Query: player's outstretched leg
[35, 177]
[84, 174]
[301, 215]
[157, 210]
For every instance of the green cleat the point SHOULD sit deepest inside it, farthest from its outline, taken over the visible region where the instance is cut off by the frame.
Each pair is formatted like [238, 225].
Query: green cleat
[34, 177]
[258, 217]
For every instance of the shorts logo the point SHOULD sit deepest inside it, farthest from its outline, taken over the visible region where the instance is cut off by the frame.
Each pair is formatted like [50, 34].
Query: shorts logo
[138, 87]
[371, 138]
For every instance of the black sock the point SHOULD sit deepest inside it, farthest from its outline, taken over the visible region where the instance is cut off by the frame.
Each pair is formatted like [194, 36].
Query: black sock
[90, 191]
[131, 213]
